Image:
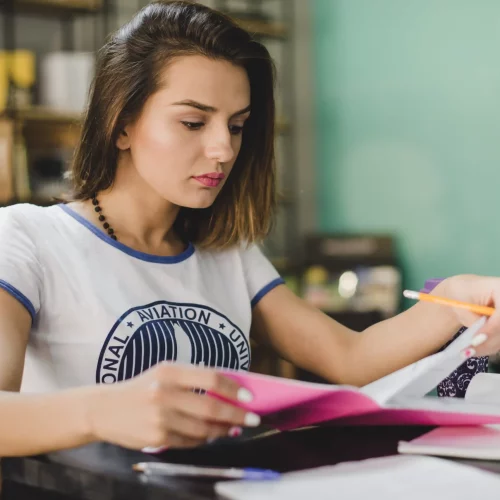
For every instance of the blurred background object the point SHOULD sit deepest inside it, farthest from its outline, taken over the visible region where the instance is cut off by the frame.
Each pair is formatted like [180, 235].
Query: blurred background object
[21, 76]
[46, 66]
[352, 274]
[65, 78]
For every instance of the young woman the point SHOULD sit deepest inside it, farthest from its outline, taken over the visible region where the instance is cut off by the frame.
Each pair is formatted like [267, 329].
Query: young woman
[155, 257]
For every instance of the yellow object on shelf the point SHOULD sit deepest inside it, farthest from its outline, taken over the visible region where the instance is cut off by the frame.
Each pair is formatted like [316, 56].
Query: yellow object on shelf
[22, 68]
[22, 75]
[316, 275]
[4, 81]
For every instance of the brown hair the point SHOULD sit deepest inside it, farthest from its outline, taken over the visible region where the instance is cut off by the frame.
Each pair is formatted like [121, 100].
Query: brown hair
[129, 70]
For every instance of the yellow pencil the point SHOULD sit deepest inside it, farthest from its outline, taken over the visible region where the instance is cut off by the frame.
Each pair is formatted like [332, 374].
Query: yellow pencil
[481, 310]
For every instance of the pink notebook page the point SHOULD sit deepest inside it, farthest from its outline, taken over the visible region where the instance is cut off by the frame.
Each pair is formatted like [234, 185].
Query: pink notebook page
[291, 404]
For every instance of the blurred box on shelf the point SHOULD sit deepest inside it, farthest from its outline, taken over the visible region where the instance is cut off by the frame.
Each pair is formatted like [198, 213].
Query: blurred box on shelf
[50, 147]
[352, 274]
[6, 153]
[65, 79]
[353, 278]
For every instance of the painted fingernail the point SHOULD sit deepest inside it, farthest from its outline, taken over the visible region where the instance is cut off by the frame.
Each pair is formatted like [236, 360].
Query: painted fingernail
[244, 395]
[235, 432]
[468, 353]
[479, 339]
[252, 420]
[152, 449]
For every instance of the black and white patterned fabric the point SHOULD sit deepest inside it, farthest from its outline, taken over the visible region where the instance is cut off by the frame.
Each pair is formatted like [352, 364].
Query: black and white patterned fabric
[455, 385]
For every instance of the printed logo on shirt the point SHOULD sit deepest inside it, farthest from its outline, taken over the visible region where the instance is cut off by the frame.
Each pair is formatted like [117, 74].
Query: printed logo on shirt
[168, 331]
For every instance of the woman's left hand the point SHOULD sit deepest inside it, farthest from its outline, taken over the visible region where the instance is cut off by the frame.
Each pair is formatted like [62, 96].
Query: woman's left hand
[484, 291]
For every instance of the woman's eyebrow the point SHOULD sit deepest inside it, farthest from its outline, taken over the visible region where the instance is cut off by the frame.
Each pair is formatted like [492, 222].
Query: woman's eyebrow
[207, 108]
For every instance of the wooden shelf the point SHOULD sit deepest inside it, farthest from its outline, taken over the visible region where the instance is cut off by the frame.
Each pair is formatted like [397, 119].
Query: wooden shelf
[41, 114]
[262, 28]
[58, 6]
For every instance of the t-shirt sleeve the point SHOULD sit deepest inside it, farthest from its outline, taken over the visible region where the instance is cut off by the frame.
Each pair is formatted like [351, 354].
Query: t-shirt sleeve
[260, 275]
[20, 270]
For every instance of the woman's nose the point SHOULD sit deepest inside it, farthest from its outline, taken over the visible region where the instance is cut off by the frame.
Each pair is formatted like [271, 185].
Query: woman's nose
[220, 148]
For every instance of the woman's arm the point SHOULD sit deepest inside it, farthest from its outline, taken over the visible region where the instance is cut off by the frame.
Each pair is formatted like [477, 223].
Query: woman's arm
[311, 340]
[34, 423]
[156, 408]
[38, 423]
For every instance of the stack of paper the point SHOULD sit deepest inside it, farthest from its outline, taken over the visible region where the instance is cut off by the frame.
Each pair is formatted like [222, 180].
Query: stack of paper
[389, 478]
[481, 442]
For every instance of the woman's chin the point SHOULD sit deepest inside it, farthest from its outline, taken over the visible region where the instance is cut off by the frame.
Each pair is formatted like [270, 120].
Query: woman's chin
[195, 200]
[199, 203]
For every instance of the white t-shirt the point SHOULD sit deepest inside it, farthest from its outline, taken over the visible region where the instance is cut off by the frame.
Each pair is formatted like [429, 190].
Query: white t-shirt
[103, 312]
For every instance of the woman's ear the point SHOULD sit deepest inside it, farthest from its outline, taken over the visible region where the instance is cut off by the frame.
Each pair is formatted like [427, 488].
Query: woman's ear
[123, 141]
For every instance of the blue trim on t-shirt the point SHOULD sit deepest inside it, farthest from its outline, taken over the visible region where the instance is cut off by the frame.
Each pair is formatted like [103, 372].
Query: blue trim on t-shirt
[158, 259]
[266, 289]
[20, 297]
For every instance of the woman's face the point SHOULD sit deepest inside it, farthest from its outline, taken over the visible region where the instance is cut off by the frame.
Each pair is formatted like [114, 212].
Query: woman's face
[188, 135]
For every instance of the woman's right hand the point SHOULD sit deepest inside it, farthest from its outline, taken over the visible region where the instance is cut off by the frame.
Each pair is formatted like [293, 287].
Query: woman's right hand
[159, 408]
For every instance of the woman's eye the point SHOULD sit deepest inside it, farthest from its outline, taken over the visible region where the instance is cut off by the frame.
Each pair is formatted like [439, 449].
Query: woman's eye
[193, 125]
[235, 129]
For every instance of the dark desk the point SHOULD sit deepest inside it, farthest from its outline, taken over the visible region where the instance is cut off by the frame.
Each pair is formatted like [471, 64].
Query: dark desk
[103, 472]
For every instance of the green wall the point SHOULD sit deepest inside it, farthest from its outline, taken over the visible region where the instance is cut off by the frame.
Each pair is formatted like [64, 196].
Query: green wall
[408, 128]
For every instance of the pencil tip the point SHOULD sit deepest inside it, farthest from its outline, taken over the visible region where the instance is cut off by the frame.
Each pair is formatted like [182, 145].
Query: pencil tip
[410, 294]
[138, 467]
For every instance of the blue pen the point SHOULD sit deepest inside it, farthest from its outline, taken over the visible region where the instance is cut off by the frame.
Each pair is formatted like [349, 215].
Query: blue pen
[162, 468]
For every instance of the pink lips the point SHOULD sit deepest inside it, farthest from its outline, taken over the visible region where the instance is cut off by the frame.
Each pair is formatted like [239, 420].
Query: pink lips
[210, 180]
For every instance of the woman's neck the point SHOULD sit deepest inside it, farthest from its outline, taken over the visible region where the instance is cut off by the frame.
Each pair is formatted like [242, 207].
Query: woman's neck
[140, 218]
[143, 219]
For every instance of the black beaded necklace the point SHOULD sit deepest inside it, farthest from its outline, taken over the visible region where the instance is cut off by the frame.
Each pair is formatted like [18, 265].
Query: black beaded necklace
[102, 219]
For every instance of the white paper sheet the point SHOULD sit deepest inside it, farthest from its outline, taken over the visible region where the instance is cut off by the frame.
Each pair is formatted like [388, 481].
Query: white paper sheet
[388, 478]
[484, 388]
[416, 380]
[481, 442]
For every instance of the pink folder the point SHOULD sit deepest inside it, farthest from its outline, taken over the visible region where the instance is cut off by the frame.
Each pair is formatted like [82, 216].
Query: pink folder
[396, 399]
[290, 404]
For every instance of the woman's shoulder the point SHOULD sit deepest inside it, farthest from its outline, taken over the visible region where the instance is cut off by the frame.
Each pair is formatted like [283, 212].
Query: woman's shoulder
[240, 254]
[236, 250]
[28, 217]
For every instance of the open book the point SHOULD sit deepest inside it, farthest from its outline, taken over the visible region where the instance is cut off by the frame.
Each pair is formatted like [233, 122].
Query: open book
[398, 398]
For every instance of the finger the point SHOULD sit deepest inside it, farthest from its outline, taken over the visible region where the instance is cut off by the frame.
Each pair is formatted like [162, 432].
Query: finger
[210, 380]
[486, 340]
[195, 428]
[214, 410]
[488, 348]
[492, 326]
